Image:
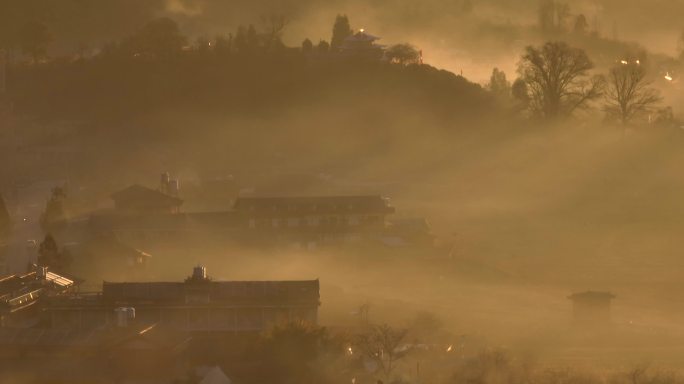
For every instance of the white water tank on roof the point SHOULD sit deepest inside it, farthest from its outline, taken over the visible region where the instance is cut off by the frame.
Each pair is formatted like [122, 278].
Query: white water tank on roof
[124, 315]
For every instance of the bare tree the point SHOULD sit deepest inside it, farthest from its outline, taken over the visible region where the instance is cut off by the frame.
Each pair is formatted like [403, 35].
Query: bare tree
[558, 80]
[275, 26]
[381, 345]
[628, 93]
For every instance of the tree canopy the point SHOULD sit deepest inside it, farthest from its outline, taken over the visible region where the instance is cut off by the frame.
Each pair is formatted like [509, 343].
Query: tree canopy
[5, 219]
[498, 84]
[558, 79]
[341, 30]
[403, 54]
[160, 38]
[629, 93]
[49, 254]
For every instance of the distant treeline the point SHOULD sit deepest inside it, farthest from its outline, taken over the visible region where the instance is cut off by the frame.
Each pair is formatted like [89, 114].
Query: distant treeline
[243, 72]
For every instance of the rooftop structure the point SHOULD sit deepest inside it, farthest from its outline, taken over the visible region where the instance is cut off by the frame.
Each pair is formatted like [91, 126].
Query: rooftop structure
[362, 45]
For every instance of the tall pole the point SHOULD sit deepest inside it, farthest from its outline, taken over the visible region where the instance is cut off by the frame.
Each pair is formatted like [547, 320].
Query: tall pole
[3, 72]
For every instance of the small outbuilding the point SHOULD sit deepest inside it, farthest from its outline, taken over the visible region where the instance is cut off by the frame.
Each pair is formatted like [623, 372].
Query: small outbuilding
[592, 307]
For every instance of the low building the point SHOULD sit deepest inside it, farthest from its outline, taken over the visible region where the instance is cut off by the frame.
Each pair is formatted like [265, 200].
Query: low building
[196, 304]
[22, 296]
[591, 308]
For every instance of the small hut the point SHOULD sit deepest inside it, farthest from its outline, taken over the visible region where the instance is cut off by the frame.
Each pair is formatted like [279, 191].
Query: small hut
[591, 307]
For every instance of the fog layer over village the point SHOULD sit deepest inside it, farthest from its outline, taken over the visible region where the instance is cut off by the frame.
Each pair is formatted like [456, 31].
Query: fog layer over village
[467, 191]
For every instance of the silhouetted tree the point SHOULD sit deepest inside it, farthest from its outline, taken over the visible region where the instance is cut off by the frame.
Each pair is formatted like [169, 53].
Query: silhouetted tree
[498, 84]
[252, 39]
[581, 25]
[222, 46]
[520, 93]
[49, 254]
[323, 46]
[298, 353]
[499, 365]
[241, 39]
[381, 345]
[160, 38]
[307, 46]
[628, 93]
[34, 38]
[341, 30]
[54, 209]
[275, 25]
[5, 219]
[557, 78]
[403, 54]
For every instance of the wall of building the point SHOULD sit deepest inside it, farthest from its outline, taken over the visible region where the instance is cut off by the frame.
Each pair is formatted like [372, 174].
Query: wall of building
[188, 318]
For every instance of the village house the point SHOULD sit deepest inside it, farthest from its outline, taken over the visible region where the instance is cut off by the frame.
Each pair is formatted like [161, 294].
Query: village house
[196, 304]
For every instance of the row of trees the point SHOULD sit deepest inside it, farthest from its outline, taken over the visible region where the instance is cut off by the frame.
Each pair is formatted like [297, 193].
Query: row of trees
[162, 38]
[555, 81]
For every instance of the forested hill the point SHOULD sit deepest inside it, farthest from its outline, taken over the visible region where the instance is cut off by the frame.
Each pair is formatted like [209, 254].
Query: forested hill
[115, 88]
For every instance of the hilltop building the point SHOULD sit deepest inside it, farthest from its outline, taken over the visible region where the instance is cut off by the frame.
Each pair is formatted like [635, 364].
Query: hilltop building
[362, 45]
